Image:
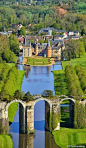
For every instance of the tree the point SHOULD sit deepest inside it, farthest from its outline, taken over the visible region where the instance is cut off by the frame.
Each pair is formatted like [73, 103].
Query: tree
[14, 44]
[28, 97]
[47, 93]
[17, 94]
[22, 31]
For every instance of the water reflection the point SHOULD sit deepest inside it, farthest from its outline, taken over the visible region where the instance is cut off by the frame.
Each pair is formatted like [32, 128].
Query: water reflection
[39, 78]
[14, 130]
[26, 141]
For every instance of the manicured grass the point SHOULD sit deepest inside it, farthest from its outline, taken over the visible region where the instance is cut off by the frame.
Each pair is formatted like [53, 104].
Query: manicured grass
[38, 61]
[19, 80]
[12, 111]
[5, 141]
[81, 61]
[67, 136]
[60, 83]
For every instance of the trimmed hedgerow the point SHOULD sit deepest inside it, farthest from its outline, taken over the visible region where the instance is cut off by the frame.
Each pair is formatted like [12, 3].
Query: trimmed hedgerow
[73, 81]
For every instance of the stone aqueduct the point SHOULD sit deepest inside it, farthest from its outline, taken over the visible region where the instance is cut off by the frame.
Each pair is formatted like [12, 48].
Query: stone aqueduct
[26, 112]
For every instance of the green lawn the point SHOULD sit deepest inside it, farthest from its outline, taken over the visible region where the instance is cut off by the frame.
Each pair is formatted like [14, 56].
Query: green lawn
[6, 141]
[81, 61]
[38, 61]
[67, 136]
[19, 80]
[60, 82]
[12, 111]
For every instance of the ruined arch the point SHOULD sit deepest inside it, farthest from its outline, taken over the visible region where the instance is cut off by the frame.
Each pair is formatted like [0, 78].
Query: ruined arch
[40, 99]
[47, 110]
[19, 101]
[21, 114]
[67, 99]
[70, 121]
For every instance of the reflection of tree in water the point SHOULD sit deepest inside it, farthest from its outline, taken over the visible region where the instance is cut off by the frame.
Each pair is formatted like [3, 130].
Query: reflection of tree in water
[26, 141]
[27, 70]
[37, 80]
[44, 70]
[49, 141]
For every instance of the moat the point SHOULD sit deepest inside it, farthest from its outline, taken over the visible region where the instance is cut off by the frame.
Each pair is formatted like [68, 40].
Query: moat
[36, 80]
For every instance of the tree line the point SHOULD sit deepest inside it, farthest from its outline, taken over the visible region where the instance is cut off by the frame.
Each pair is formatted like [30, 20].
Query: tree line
[9, 47]
[73, 82]
[79, 115]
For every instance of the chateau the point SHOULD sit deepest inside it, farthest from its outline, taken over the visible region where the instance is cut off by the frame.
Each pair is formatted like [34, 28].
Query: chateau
[53, 48]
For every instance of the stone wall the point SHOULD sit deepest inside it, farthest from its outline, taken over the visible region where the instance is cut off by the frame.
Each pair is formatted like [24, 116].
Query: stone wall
[30, 119]
[4, 124]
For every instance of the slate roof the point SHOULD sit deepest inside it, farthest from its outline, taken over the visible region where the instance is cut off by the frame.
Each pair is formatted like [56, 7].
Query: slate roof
[57, 41]
[55, 48]
[4, 33]
[51, 28]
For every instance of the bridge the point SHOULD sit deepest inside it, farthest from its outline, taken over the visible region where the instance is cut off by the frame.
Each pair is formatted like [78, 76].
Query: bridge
[26, 112]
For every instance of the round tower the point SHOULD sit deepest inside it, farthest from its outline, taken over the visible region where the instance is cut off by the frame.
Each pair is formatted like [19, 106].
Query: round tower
[36, 48]
[48, 49]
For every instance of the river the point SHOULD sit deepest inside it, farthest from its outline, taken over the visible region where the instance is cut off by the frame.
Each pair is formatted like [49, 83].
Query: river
[36, 80]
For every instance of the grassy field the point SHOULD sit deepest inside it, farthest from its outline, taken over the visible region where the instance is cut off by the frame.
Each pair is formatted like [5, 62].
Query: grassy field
[38, 61]
[67, 136]
[5, 141]
[20, 78]
[81, 61]
[60, 82]
[12, 111]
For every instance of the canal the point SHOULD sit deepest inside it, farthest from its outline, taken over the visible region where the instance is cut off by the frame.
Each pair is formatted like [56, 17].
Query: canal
[36, 80]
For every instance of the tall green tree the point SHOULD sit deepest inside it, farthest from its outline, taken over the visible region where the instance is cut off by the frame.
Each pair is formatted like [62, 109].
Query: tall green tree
[22, 31]
[14, 44]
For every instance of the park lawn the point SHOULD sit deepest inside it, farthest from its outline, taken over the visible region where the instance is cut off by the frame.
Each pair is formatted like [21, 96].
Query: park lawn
[60, 83]
[81, 61]
[19, 80]
[67, 136]
[12, 111]
[5, 141]
[38, 61]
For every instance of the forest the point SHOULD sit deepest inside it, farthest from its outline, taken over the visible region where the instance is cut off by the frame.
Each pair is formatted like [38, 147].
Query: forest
[66, 14]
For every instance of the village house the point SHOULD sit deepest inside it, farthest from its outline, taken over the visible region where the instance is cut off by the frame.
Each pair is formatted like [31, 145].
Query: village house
[16, 26]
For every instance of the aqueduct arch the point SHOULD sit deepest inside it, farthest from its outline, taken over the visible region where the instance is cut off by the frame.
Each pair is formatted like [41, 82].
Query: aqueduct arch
[71, 109]
[21, 114]
[48, 107]
[67, 99]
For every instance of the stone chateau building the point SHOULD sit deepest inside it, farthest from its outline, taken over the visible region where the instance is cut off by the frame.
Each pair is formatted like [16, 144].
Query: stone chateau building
[53, 48]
